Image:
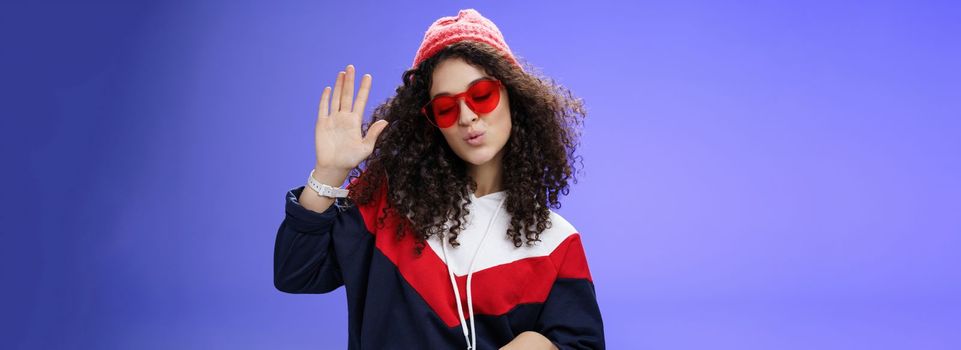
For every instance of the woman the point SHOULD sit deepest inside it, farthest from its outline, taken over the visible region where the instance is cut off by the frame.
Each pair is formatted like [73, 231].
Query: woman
[476, 151]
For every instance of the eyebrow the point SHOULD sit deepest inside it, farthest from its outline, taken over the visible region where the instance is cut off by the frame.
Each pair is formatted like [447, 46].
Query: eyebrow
[468, 85]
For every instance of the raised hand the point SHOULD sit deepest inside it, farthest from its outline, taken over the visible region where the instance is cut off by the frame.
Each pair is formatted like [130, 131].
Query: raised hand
[339, 142]
[338, 139]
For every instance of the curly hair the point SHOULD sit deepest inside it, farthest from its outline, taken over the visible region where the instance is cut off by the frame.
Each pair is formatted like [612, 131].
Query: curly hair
[430, 183]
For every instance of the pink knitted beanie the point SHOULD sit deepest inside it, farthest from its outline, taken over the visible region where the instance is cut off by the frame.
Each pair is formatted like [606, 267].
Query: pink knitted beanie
[468, 25]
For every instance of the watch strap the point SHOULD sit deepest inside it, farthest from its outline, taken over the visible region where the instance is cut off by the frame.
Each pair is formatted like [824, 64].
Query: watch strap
[324, 189]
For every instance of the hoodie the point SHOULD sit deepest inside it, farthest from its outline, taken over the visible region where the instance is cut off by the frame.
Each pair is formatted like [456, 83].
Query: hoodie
[398, 300]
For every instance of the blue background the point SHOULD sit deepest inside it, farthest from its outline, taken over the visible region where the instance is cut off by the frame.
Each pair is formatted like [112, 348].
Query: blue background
[758, 174]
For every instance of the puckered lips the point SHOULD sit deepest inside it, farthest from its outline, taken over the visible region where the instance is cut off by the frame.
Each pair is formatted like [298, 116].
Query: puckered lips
[475, 138]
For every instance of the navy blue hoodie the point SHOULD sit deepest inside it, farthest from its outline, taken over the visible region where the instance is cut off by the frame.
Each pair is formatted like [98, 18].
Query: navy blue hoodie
[398, 300]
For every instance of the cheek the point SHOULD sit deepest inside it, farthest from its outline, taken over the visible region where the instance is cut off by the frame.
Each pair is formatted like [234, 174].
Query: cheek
[504, 128]
[504, 115]
[449, 135]
[503, 123]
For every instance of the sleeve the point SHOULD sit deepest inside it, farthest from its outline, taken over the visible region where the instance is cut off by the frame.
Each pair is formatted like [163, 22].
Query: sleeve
[571, 318]
[304, 257]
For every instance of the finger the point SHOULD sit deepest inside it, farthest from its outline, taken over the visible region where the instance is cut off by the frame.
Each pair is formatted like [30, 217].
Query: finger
[362, 94]
[373, 132]
[347, 96]
[338, 88]
[324, 110]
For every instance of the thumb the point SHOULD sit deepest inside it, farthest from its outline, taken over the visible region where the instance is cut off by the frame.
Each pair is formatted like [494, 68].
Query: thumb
[374, 131]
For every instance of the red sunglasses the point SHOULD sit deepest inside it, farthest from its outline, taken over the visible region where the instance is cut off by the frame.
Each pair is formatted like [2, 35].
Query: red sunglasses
[482, 96]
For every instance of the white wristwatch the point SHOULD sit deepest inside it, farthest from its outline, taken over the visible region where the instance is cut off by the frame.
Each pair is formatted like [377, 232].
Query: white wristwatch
[324, 189]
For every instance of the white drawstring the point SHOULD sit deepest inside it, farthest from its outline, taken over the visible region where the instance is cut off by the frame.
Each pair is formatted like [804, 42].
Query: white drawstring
[460, 313]
[472, 338]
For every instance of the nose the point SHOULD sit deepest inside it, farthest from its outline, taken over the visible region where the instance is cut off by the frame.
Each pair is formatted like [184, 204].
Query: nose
[467, 115]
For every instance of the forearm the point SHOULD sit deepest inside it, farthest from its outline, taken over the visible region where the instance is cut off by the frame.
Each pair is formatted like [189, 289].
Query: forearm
[304, 260]
[529, 340]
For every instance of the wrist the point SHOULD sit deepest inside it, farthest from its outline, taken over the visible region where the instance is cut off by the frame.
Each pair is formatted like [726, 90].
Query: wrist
[334, 177]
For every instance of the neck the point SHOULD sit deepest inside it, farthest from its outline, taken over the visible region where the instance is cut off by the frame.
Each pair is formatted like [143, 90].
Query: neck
[488, 175]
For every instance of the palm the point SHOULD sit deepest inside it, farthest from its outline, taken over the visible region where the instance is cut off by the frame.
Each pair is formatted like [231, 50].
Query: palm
[339, 141]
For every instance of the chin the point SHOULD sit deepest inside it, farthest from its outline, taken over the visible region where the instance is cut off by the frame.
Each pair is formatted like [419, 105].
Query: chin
[476, 156]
